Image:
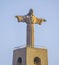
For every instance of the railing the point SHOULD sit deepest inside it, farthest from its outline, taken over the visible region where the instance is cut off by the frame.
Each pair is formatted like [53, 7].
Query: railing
[35, 46]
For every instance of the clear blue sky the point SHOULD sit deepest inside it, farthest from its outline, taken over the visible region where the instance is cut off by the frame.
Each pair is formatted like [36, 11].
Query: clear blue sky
[13, 34]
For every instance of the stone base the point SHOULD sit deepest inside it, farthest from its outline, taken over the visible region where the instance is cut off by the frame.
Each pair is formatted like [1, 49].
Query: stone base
[30, 56]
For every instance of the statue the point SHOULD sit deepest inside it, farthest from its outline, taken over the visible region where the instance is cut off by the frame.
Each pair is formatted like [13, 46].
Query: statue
[30, 19]
[30, 16]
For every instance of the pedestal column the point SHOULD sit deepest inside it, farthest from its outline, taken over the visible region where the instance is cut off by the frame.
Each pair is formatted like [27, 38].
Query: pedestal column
[30, 35]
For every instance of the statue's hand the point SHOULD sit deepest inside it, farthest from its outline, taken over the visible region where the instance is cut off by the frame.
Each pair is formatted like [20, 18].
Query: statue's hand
[44, 20]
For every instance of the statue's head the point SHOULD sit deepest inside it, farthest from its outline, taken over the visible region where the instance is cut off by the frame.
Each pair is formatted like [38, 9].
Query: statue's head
[31, 12]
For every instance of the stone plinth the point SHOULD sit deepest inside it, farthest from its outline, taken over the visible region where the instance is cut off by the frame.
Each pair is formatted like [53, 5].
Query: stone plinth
[28, 56]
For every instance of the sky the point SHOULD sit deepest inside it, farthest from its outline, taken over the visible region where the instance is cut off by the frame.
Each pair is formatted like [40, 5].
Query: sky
[13, 34]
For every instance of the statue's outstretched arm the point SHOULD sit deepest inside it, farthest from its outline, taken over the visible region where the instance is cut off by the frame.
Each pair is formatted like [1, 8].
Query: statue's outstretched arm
[20, 18]
[40, 20]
